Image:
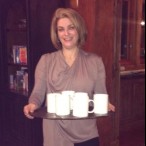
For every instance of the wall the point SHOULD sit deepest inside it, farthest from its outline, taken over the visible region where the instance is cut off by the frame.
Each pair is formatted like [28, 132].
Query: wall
[132, 102]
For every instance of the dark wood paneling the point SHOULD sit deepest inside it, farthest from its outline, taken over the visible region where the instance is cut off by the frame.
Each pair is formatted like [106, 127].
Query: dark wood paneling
[2, 121]
[2, 56]
[19, 130]
[132, 102]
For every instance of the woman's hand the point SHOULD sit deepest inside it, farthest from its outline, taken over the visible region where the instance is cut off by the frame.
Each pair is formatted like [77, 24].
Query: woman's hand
[111, 107]
[30, 108]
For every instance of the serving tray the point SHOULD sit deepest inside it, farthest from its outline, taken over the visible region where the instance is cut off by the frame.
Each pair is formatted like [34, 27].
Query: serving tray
[42, 113]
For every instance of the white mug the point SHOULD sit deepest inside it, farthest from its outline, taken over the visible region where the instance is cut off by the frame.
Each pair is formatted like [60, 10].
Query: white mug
[81, 104]
[100, 103]
[71, 94]
[51, 102]
[62, 105]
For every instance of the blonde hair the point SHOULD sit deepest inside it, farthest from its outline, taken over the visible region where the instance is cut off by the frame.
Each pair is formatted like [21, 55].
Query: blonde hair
[75, 18]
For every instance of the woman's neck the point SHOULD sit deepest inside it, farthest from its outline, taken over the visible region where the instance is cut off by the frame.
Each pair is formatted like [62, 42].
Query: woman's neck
[70, 55]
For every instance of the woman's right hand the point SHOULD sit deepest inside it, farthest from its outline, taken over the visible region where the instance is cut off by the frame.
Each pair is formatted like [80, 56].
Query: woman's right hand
[29, 108]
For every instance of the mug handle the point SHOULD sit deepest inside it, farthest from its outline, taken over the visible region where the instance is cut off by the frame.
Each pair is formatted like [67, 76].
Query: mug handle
[90, 100]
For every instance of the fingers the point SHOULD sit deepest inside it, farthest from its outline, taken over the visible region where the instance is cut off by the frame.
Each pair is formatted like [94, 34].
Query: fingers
[29, 109]
[29, 116]
[111, 107]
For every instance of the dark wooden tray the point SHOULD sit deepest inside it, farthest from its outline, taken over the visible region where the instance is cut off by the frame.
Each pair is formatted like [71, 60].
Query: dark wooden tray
[42, 113]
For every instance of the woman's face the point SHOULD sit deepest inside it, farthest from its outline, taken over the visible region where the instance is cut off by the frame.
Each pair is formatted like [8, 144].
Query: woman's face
[67, 33]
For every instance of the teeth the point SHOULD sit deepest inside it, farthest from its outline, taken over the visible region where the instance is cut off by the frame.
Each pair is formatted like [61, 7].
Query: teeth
[68, 39]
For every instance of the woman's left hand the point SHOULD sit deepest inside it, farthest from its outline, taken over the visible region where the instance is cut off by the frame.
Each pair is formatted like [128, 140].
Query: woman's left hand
[111, 107]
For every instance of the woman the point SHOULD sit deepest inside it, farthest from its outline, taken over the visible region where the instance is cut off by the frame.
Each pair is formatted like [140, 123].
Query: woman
[70, 68]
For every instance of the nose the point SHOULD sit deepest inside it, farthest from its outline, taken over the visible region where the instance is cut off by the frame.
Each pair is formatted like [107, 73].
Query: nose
[66, 31]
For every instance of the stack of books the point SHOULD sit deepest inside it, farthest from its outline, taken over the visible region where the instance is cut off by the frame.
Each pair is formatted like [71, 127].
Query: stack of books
[19, 54]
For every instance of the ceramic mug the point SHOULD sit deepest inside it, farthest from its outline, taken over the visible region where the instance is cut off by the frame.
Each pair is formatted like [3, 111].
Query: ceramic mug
[62, 105]
[51, 102]
[81, 104]
[71, 94]
[100, 103]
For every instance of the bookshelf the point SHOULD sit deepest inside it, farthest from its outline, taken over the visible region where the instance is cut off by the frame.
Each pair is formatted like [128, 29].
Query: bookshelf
[16, 40]
[24, 37]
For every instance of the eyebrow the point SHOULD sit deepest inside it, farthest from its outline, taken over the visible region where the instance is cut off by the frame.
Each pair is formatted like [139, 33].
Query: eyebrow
[67, 26]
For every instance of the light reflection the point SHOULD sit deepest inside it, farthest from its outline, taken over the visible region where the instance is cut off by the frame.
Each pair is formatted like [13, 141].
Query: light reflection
[142, 23]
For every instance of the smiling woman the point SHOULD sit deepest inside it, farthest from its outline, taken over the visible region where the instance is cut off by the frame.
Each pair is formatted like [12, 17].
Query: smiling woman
[67, 33]
[70, 36]
[76, 24]
[69, 68]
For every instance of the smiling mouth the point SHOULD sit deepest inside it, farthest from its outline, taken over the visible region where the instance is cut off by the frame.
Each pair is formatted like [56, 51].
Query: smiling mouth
[67, 39]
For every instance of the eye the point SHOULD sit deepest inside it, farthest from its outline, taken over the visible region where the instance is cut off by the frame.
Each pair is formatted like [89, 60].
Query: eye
[71, 27]
[60, 29]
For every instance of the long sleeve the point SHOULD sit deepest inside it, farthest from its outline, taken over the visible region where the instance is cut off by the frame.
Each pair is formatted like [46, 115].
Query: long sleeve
[38, 94]
[100, 84]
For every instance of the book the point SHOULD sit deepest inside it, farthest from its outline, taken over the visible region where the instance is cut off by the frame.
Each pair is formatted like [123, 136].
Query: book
[22, 54]
[14, 48]
[19, 54]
